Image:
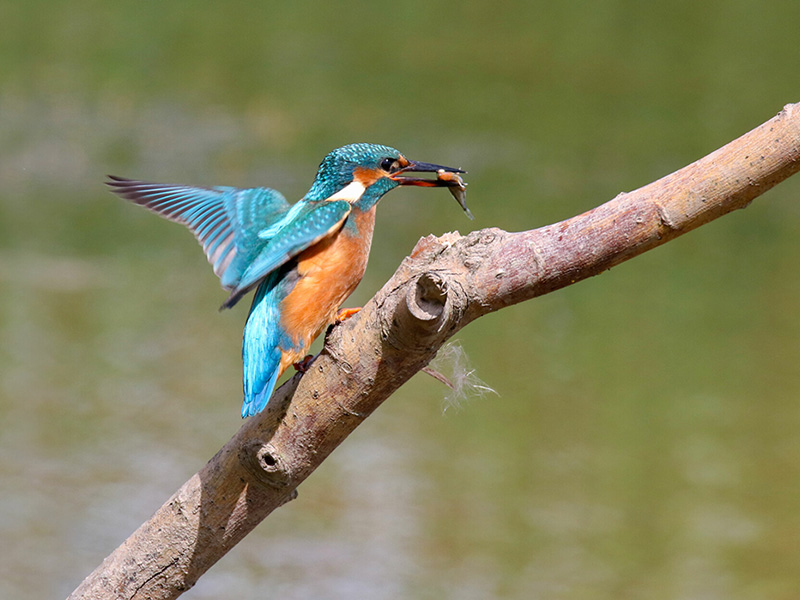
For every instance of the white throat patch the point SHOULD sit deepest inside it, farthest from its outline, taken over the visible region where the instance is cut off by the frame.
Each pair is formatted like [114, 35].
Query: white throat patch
[351, 192]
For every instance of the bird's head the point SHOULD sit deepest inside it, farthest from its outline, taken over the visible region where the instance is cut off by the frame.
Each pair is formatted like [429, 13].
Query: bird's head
[362, 173]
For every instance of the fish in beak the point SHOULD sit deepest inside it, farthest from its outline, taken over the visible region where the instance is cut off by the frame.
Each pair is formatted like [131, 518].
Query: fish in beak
[445, 177]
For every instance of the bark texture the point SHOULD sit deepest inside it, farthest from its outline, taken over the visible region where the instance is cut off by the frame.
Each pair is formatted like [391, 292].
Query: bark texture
[446, 283]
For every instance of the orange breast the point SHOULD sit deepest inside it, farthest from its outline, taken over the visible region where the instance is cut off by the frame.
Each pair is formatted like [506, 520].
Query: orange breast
[329, 272]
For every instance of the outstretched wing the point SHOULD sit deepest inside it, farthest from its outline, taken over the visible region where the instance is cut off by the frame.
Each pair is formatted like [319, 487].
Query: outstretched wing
[300, 228]
[225, 220]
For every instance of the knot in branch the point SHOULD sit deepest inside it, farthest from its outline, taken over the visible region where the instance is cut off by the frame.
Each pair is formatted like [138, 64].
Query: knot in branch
[265, 463]
[424, 313]
[426, 301]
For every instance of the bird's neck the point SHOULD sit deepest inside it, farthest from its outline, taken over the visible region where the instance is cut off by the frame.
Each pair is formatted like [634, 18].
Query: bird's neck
[369, 198]
[361, 223]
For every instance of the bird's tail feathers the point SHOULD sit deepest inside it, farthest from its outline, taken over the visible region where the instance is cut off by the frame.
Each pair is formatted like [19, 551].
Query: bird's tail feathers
[256, 396]
[261, 354]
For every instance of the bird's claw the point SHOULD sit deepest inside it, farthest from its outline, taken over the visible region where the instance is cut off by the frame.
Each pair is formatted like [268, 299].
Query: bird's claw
[343, 315]
[346, 313]
[305, 364]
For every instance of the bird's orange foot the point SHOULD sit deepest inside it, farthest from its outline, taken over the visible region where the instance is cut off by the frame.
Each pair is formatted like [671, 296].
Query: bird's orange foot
[304, 364]
[343, 315]
[346, 313]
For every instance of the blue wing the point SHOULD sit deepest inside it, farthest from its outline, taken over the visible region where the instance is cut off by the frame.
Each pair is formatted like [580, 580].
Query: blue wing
[300, 228]
[225, 220]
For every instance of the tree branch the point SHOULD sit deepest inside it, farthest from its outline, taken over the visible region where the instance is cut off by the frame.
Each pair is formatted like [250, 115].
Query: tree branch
[445, 284]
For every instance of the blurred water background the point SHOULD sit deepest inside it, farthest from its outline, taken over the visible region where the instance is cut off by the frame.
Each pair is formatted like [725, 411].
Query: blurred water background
[644, 443]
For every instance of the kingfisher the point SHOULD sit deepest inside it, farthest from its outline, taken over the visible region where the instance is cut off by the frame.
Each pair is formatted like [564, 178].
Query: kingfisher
[303, 260]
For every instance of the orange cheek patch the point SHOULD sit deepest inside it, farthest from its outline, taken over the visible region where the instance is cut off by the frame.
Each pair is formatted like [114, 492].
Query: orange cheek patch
[367, 176]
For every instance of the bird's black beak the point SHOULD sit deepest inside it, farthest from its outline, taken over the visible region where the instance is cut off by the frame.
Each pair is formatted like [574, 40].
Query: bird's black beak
[421, 167]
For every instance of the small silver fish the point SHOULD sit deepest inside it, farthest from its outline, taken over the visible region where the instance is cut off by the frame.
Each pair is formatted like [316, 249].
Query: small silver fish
[457, 187]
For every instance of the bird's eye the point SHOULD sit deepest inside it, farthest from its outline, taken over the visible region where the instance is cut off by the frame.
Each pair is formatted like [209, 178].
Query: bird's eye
[390, 165]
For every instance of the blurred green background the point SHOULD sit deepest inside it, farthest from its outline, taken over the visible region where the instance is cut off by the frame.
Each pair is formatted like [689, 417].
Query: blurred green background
[644, 443]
